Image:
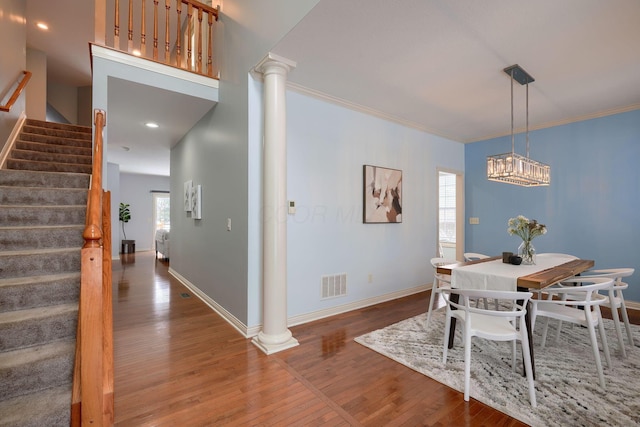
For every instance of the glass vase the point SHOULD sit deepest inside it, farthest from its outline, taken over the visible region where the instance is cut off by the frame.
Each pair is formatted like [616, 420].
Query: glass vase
[527, 252]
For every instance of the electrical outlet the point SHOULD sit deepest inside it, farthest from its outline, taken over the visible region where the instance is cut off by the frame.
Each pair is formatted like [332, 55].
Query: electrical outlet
[474, 220]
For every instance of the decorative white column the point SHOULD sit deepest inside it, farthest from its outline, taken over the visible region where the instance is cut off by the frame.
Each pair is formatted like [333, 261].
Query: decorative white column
[275, 336]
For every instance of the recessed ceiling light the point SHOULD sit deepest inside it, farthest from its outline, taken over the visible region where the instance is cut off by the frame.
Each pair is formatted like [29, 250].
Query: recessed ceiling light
[42, 26]
[151, 125]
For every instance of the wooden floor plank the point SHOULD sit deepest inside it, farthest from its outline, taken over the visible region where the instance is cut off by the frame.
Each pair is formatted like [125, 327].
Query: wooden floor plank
[178, 363]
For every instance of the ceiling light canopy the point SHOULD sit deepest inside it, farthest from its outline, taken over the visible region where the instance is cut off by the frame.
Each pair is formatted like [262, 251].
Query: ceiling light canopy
[151, 125]
[513, 168]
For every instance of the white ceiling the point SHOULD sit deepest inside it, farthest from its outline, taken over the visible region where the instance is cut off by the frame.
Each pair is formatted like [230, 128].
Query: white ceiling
[433, 65]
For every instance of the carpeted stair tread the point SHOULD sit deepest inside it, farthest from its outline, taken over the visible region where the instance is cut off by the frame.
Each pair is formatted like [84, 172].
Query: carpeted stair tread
[26, 178]
[54, 140]
[41, 237]
[47, 166]
[33, 369]
[60, 133]
[46, 215]
[63, 126]
[19, 293]
[49, 407]
[39, 262]
[38, 156]
[36, 326]
[42, 196]
[53, 148]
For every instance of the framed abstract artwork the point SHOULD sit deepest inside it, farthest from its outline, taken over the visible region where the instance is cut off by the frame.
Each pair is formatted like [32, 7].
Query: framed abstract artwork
[382, 195]
[188, 190]
[196, 202]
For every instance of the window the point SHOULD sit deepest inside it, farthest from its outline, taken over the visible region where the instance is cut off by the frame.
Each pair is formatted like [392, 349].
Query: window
[161, 212]
[447, 207]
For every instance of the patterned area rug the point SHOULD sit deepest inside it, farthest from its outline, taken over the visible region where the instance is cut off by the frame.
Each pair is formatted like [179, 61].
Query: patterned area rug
[566, 384]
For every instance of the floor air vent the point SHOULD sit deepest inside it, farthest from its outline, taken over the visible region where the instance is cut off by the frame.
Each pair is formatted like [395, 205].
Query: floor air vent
[334, 285]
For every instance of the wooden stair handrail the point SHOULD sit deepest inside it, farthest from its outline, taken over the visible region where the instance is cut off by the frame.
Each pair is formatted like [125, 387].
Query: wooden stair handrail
[92, 395]
[26, 76]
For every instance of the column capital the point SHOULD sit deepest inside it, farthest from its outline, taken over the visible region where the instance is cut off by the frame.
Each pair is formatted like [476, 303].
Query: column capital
[272, 62]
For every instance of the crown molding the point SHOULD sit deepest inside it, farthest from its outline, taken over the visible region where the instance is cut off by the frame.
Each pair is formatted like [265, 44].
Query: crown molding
[567, 121]
[366, 110]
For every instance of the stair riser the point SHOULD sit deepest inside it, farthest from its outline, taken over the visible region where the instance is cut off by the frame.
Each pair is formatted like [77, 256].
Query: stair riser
[42, 196]
[46, 215]
[62, 126]
[53, 371]
[53, 148]
[20, 239]
[59, 133]
[52, 140]
[32, 332]
[39, 264]
[37, 156]
[46, 166]
[20, 178]
[39, 294]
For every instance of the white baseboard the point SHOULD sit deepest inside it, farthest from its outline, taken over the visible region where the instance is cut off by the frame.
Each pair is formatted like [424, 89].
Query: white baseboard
[230, 318]
[633, 305]
[321, 314]
[249, 332]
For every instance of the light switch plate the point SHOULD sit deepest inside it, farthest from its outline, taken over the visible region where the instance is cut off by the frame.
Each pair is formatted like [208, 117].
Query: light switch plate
[474, 220]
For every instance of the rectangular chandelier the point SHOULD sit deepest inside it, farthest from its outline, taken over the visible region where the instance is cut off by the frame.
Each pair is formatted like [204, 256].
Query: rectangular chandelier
[513, 168]
[516, 169]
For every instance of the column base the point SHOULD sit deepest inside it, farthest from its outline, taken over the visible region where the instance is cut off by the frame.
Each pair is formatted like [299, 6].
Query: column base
[270, 348]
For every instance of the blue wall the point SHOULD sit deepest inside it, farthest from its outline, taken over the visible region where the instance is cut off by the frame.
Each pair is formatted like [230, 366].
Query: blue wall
[591, 209]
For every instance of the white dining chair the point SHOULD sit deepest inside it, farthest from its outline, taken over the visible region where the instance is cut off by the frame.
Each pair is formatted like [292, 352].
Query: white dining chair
[472, 256]
[615, 300]
[440, 281]
[578, 302]
[507, 325]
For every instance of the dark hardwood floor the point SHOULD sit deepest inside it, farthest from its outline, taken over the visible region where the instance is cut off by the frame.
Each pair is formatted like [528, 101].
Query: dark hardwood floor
[177, 363]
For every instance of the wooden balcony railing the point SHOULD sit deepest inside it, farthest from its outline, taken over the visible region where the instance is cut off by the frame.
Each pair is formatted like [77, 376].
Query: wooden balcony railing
[177, 33]
[92, 397]
[20, 85]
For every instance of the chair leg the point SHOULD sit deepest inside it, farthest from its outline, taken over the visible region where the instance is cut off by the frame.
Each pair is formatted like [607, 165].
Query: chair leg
[434, 291]
[625, 318]
[467, 365]
[605, 345]
[528, 369]
[447, 328]
[558, 331]
[544, 332]
[596, 352]
[616, 323]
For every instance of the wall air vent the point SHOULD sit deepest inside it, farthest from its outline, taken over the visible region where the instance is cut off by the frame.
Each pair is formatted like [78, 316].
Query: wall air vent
[333, 286]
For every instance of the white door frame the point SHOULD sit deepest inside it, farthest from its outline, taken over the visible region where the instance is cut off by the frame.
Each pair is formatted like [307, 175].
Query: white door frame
[459, 211]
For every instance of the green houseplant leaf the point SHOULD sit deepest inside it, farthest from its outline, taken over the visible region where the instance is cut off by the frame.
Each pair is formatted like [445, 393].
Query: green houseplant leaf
[125, 216]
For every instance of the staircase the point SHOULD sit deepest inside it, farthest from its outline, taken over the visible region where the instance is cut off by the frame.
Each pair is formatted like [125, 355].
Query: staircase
[43, 195]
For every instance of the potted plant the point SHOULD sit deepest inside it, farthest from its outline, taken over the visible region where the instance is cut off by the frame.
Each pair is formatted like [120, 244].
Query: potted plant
[128, 246]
